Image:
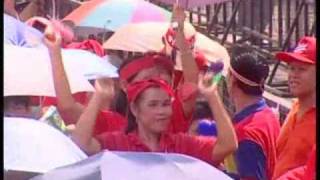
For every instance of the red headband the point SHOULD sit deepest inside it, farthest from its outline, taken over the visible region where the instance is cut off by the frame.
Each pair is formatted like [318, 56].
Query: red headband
[145, 62]
[136, 88]
[170, 37]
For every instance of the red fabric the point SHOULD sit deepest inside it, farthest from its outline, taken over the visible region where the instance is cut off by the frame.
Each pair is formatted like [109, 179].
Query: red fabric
[179, 121]
[310, 173]
[294, 174]
[80, 97]
[170, 37]
[262, 128]
[89, 44]
[136, 88]
[199, 147]
[201, 60]
[304, 52]
[109, 121]
[147, 61]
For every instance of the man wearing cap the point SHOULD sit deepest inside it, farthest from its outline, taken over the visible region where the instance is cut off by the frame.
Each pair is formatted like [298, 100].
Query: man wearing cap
[256, 125]
[297, 135]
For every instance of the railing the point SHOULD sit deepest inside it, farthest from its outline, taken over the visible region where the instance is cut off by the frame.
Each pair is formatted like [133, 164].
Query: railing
[265, 26]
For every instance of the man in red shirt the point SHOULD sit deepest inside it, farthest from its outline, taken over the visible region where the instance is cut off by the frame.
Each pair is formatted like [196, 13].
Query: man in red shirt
[298, 132]
[256, 125]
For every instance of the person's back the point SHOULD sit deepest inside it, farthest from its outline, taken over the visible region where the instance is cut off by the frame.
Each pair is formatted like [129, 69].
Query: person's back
[256, 125]
[297, 134]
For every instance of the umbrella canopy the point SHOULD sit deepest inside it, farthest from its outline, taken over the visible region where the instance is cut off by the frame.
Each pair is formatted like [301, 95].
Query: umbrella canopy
[19, 34]
[144, 37]
[137, 166]
[189, 4]
[112, 14]
[27, 71]
[33, 146]
[91, 65]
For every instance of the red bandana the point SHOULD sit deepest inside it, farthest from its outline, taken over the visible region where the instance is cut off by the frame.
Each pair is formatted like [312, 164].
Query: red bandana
[89, 44]
[147, 61]
[136, 88]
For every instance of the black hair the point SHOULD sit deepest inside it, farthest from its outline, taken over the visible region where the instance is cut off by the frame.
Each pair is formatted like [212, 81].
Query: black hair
[16, 100]
[202, 111]
[251, 66]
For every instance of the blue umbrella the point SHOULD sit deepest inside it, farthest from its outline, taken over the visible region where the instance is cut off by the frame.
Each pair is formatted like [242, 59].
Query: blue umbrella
[136, 166]
[20, 34]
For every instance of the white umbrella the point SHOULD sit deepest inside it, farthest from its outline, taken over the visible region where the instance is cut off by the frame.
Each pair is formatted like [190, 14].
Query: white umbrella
[136, 166]
[27, 71]
[88, 64]
[33, 146]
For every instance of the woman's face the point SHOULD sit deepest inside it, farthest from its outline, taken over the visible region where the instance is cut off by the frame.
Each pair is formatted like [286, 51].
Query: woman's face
[153, 110]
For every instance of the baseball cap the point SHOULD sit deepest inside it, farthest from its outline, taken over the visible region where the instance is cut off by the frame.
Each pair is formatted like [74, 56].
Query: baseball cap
[304, 52]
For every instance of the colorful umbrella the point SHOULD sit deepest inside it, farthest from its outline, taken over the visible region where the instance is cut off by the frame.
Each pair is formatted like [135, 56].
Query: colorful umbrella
[144, 37]
[112, 14]
[136, 166]
[32, 146]
[27, 71]
[188, 4]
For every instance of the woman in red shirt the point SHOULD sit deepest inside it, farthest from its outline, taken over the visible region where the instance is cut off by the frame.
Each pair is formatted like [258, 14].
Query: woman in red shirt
[150, 106]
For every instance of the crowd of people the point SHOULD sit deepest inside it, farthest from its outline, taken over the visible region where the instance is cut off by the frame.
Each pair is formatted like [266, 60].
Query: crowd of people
[151, 107]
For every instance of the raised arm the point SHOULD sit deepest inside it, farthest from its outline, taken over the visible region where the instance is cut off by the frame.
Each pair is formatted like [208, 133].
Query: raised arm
[188, 63]
[83, 133]
[68, 108]
[226, 139]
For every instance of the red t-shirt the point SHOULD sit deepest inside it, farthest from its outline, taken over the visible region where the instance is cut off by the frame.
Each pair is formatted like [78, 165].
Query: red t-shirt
[179, 121]
[107, 121]
[198, 147]
[263, 128]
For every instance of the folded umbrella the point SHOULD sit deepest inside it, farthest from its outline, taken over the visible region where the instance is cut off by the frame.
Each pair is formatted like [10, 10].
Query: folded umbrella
[136, 166]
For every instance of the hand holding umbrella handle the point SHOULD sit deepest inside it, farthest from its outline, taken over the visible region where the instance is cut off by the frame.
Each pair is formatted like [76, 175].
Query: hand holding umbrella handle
[52, 38]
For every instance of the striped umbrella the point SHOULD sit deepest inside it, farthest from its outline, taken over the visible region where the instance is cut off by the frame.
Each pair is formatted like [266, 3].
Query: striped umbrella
[112, 14]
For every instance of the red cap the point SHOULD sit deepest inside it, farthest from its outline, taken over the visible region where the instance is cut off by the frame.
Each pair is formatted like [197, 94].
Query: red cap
[304, 52]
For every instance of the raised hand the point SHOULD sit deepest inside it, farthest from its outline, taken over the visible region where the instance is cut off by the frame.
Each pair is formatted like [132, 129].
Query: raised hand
[178, 16]
[105, 89]
[52, 39]
[206, 86]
